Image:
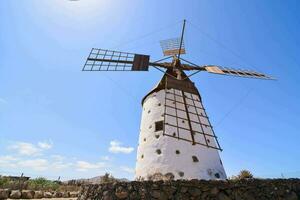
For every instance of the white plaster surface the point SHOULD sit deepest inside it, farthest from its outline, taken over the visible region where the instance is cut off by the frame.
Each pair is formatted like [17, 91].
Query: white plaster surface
[150, 162]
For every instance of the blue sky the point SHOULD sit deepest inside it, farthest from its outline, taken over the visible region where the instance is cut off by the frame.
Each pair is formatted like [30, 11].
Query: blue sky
[56, 120]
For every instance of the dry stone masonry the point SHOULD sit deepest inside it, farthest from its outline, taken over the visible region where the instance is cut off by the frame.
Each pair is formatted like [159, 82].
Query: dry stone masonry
[30, 194]
[252, 189]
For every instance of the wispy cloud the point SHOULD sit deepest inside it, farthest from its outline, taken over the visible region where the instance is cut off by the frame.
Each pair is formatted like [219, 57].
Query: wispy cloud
[8, 161]
[57, 157]
[35, 164]
[127, 169]
[115, 147]
[45, 145]
[34, 158]
[84, 165]
[106, 158]
[26, 149]
[29, 149]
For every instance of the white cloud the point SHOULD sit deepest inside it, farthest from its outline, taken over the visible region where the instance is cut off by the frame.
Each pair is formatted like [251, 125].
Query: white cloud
[84, 166]
[8, 161]
[29, 149]
[115, 147]
[60, 165]
[57, 157]
[35, 164]
[26, 149]
[106, 158]
[45, 145]
[127, 169]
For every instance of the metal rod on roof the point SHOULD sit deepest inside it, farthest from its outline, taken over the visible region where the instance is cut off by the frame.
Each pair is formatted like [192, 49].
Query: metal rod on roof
[181, 39]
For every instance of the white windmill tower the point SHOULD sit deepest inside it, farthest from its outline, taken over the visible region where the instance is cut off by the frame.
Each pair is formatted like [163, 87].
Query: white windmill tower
[176, 138]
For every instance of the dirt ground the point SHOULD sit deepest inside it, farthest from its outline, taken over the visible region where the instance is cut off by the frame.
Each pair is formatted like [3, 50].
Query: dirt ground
[52, 199]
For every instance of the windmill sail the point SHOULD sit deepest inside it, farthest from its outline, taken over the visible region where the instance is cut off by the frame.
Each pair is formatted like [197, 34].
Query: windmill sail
[107, 60]
[172, 47]
[234, 72]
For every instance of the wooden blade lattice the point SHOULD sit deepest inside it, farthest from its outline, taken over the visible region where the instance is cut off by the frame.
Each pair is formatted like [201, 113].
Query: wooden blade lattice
[234, 72]
[172, 47]
[107, 60]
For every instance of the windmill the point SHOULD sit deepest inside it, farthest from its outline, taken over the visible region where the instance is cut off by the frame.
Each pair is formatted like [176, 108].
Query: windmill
[176, 138]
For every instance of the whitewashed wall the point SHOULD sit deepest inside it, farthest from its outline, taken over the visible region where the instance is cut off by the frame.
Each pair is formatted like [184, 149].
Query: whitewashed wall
[182, 166]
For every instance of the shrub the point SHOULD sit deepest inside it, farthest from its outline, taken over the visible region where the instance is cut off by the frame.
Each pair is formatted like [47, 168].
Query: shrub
[42, 184]
[107, 178]
[244, 174]
[3, 182]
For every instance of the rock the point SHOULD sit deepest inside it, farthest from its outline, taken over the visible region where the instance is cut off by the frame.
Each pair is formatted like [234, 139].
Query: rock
[121, 195]
[57, 194]
[48, 195]
[204, 195]
[249, 195]
[65, 194]
[74, 194]
[27, 194]
[291, 196]
[222, 196]
[155, 194]
[214, 191]
[38, 194]
[4, 193]
[170, 190]
[195, 191]
[184, 189]
[15, 194]
[107, 196]
[134, 196]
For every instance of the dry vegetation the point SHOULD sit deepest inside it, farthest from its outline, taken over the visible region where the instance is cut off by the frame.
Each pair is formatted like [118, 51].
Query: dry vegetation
[37, 184]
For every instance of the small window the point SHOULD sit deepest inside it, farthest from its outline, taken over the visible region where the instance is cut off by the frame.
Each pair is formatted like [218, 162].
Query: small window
[181, 174]
[158, 151]
[183, 121]
[174, 134]
[221, 162]
[159, 104]
[162, 115]
[157, 136]
[159, 125]
[195, 159]
[177, 152]
[142, 156]
[150, 126]
[144, 139]
[217, 175]
[149, 111]
[208, 141]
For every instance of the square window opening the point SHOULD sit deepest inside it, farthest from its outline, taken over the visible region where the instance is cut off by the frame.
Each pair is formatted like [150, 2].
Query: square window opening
[159, 126]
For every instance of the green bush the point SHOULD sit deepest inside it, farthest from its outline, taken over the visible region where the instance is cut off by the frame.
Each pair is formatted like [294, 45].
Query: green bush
[42, 184]
[3, 182]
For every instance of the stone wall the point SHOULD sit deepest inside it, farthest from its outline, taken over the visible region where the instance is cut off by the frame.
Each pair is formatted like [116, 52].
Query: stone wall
[252, 189]
[31, 194]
